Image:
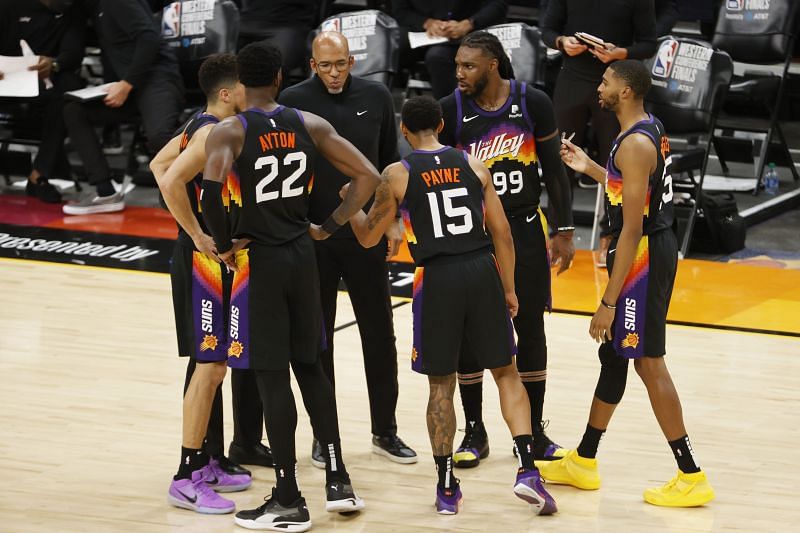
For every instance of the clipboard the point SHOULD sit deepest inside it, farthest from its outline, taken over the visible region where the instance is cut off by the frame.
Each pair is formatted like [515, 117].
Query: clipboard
[590, 40]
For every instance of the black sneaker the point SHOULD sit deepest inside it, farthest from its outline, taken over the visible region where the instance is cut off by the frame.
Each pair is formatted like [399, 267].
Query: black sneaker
[43, 190]
[393, 448]
[274, 516]
[112, 140]
[545, 449]
[246, 454]
[231, 468]
[341, 498]
[473, 448]
[317, 459]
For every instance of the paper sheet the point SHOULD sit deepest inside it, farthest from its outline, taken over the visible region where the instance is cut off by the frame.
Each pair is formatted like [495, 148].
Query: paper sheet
[90, 93]
[417, 39]
[17, 80]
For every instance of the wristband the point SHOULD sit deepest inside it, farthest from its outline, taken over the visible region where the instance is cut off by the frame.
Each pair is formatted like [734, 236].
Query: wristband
[566, 228]
[330, 226]
[607, 306]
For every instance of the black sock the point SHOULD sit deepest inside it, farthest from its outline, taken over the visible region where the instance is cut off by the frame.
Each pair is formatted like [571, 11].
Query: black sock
[684, 456]
[536, 395]
[524, 446]
[334, 466]
[472, 400]
[105, 188]
[590, 441]
[444, 468]
[286, 488]
[191, 460]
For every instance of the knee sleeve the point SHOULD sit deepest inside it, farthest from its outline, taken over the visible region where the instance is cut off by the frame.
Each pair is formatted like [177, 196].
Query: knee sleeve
[613, 375]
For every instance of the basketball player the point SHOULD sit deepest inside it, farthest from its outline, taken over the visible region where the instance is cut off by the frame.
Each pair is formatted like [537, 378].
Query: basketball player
[642, 260]
[462, 295]
[198, 287]
[511, 127]
[276, 317]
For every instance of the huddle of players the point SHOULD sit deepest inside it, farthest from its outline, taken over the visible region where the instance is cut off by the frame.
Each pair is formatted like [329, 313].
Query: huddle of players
[258, 166]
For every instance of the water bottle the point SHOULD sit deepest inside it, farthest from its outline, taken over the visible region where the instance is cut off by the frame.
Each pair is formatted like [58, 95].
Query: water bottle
[771, 180]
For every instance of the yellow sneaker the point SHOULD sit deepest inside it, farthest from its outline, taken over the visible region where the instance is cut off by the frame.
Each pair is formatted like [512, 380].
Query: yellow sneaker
[573, 469]
[684, 490]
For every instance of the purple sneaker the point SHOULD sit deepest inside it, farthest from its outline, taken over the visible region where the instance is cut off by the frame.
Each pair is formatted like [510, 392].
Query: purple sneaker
[221, 481]
[194, 494]
[530, 488]
[448, 500]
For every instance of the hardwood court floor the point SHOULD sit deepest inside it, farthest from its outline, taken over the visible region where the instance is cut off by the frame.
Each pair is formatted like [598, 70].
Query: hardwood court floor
[90, 424]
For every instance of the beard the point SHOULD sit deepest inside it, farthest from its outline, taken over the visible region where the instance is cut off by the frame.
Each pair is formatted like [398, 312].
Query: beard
[480, 85]
[610, 102]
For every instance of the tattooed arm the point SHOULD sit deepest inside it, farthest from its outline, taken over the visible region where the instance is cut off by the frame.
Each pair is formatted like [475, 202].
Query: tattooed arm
[370, 228]
[441, 415]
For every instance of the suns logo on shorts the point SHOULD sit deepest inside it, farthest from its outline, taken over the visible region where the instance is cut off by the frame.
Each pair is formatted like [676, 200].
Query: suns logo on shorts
[235, 349]
[631, 340]
[209, 343]
[414, 354]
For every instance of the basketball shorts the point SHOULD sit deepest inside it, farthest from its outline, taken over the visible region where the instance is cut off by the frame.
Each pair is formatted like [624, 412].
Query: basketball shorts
[200, 293]
[640, 321]
[275, 311]
[459, 300]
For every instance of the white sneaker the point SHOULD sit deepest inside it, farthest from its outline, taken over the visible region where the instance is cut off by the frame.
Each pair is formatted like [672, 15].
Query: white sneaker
[98, 204]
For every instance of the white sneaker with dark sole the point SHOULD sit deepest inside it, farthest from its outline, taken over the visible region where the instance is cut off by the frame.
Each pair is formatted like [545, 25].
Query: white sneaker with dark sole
[98, 204]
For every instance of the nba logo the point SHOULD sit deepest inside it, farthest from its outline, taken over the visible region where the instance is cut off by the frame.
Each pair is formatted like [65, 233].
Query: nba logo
[664, 58]
[332, 25]
[734, 5]
[171, 20]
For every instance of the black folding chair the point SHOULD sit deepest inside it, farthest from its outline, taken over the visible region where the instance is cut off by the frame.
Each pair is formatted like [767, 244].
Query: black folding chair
[763, 36]
[525, 49]
[690, 81]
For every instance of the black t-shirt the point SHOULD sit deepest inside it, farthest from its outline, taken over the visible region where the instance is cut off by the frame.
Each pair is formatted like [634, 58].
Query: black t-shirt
[275, 172]
[443, 206]
[505, 140]
[364, 115]
[658, 209]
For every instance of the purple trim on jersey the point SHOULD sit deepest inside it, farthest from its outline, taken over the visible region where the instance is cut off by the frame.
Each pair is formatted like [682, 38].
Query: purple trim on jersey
[459, 113]
[300, 116]
[437, 151]
[405, 164]
[205, 116]
[466, 155]
[500, 111]
[268, 114]
[618, 141]
[524, 102]
[243, 121]
[417, 361]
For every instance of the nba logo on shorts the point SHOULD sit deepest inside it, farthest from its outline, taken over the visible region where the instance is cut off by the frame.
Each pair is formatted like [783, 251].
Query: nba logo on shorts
[664, 58]
[734, 5]
[332, 25]
[171, 20]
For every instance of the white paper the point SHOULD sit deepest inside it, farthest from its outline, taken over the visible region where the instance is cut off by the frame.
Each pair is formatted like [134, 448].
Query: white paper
[91, 93]
[17, 80]
[417, 39]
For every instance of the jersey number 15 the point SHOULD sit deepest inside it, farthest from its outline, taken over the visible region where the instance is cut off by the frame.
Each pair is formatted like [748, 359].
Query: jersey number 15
[464, 225]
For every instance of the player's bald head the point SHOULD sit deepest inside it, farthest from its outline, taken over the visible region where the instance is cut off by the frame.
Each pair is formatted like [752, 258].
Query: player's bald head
[332, 40]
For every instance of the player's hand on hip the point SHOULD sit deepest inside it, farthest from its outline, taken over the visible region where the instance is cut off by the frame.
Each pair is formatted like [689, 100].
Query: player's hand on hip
[317, 233]
[118, 93]
[205, 245]
[573, 156]
[600, 327]
[572, 46]
[562, 250]
[394, 238]
[512, 303]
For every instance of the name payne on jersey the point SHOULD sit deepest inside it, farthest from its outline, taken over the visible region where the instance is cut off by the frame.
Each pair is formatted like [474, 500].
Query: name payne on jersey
[499, 145]
[438, 176]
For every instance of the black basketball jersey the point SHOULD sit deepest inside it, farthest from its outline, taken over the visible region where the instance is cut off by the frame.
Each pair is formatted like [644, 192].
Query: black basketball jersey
[504, 140]
[193, 187]
[275, 174]
[443, 210]
[658, 208]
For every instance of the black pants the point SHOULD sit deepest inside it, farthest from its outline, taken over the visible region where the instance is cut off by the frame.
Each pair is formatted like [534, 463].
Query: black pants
[157, 104]
[46, 110]
[576, 102]
[439, 61]
[365, 273]
[247, 412]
